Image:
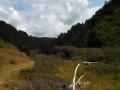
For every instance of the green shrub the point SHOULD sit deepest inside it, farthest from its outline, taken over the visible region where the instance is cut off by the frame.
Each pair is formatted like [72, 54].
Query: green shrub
[3, 44]
[64, 52]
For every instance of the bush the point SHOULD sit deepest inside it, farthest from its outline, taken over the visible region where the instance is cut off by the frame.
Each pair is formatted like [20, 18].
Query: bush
[64, 53]
[3, 44]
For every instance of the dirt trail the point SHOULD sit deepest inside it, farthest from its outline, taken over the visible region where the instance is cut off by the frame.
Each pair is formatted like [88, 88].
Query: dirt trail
[11, 73]
[17, 67]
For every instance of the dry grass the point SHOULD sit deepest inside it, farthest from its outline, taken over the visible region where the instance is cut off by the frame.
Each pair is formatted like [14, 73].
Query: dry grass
[9, 58]
[98, 80]
[11, 62]
[66, 71]
[49, 72]
[103, 76]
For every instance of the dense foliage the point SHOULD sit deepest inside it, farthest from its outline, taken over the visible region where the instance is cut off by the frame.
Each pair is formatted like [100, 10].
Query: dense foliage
[3, 44]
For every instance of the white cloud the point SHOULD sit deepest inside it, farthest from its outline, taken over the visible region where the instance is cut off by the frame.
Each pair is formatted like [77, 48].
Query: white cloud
[91, 11]
[2, 10]
[14, 15]
[87, 14]
[39, 7]
[10, 15]
[69, 7]
[45, 17]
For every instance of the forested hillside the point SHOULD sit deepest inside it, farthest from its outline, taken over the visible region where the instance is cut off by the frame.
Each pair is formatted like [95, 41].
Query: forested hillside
[102, 29]
[23, 41]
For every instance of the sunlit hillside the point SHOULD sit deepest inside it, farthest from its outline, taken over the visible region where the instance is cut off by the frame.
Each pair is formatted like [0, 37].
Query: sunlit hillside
[11, 62]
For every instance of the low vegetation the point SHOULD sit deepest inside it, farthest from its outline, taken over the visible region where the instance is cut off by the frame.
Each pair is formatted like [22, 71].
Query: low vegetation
[3, 44]
[11, 62]
[51, 72]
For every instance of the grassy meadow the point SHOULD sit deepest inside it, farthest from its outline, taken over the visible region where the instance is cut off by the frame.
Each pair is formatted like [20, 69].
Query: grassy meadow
[11, 62]
[49, 72]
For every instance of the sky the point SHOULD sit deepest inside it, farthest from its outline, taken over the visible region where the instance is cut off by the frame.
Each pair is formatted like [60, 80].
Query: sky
[47, 18]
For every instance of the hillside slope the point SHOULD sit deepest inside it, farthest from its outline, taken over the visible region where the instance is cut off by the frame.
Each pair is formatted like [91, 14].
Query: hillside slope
[11, 62]
[23, 41]
[102, 29]
[106, 32]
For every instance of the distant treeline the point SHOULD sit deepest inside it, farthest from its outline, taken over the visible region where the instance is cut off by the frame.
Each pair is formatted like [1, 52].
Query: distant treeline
[24, 42]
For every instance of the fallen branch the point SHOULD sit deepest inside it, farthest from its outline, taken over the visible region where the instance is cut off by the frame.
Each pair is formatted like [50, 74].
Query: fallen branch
[75, 76]
[89, 63]
[78, 82]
